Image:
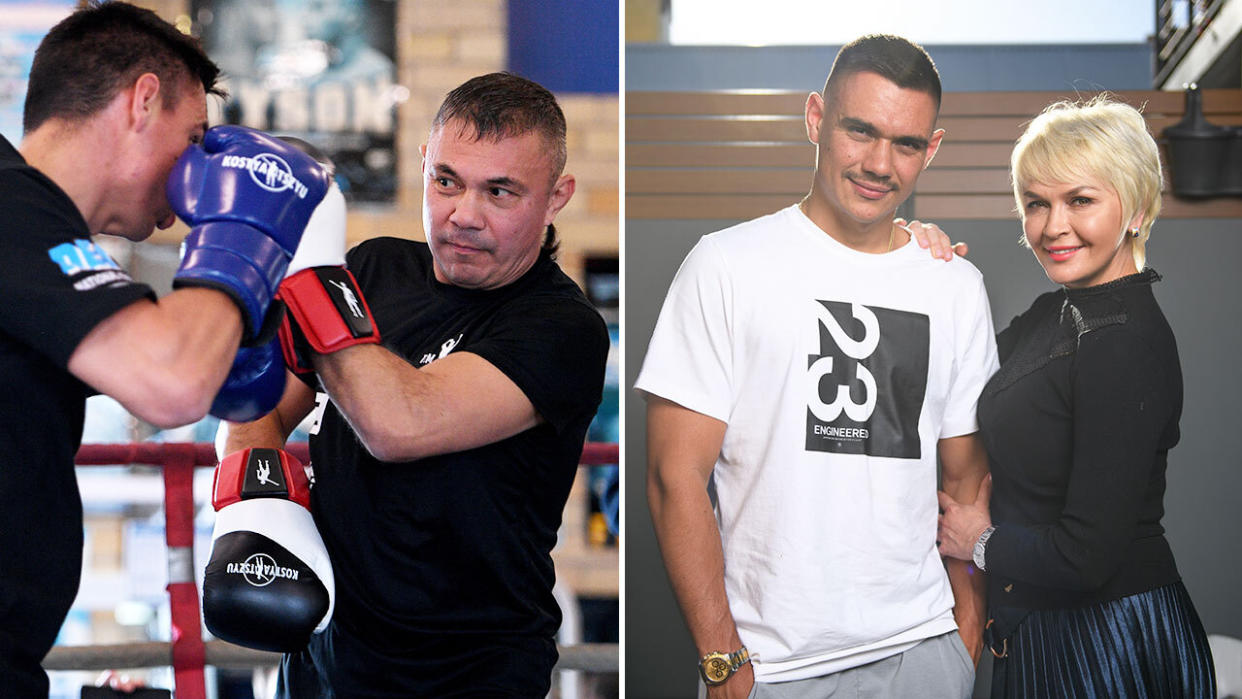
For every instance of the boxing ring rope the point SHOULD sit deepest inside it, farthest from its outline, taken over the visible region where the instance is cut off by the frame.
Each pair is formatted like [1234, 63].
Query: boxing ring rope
[188, 653]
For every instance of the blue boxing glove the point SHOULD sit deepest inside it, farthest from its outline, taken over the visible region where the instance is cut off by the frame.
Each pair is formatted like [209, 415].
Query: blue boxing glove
[254, 384]
[247, 197]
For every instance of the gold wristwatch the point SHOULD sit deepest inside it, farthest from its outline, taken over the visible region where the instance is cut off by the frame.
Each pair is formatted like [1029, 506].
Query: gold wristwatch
[716, 667]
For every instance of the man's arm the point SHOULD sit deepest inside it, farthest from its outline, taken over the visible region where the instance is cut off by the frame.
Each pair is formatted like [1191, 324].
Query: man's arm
[272, 430]
[402, 413]
[964, 464]
[682, 447]
[163, 361]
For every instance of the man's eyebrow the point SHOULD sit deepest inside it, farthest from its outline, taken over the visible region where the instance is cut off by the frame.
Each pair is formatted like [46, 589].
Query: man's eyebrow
[507, 183]
[504, 181]
[916, 142]
[852, 123]
[442, 169]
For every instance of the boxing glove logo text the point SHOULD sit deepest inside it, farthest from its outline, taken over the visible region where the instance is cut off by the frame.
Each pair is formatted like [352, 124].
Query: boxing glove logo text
[261, 570]
[866, 380]
[269, 171]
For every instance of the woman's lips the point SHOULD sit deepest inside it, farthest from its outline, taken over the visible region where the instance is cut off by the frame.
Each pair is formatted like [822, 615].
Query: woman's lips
[1062, 254]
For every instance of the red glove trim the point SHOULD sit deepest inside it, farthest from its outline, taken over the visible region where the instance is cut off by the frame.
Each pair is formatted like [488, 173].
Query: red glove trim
[328, 309]
[260, 473]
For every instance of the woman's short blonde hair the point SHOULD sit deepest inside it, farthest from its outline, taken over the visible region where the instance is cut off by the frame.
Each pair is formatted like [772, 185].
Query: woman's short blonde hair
[1102, 139]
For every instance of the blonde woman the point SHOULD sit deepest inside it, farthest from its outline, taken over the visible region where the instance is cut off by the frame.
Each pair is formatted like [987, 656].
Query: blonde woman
[1084, 596]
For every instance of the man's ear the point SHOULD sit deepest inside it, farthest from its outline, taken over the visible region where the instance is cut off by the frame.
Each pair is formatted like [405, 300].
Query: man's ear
[814, 116]
[562, 192]
[145, 100]
[933, 146]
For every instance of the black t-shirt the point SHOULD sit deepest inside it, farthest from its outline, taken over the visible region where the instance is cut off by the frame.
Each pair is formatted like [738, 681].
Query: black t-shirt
[1078, 423]
[443, 569]
[55, 286]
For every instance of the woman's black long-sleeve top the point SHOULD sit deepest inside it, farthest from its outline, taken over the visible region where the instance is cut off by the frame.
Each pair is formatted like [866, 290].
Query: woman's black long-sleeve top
[1078, 423]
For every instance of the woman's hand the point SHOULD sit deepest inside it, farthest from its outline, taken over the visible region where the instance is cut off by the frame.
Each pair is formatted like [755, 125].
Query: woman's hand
[929, 236]
[960, 525]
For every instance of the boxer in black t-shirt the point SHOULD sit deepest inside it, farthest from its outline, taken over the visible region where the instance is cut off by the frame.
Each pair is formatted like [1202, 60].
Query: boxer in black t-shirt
[116, 96]
[444, 457]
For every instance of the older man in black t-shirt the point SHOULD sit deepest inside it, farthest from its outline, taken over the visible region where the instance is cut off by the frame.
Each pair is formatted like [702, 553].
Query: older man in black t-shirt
[444, 457]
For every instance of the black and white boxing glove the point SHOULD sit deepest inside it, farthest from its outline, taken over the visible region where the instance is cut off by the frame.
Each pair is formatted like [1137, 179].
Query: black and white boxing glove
[268, 583]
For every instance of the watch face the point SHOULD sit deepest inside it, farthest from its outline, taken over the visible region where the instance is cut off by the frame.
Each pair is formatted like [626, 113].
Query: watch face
[716, 669]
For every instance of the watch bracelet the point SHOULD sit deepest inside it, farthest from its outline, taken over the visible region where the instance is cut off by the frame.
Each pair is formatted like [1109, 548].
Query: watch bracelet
[979, 553]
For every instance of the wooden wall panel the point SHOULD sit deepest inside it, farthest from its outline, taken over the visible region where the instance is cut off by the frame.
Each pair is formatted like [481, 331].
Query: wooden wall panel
[740, 154]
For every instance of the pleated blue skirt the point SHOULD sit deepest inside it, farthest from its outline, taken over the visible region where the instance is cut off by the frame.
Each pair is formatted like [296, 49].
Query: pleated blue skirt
[1145, 646]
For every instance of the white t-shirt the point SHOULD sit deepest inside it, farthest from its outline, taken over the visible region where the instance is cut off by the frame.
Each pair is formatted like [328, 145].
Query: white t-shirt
[836, 372]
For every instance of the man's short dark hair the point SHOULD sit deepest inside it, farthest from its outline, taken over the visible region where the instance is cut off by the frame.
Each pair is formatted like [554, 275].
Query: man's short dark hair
[900, 61]
[504, 105]
[94, 53]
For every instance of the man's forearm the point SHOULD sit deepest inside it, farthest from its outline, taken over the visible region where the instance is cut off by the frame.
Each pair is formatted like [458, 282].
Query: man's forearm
[970, 603]
[682, 446]
[272, 430]
[969, 586]
[403, 413]
[690, 544]
[964, 462]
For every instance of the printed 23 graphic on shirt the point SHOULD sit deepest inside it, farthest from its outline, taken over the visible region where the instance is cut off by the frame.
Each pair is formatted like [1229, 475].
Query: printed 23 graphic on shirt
[868, 381]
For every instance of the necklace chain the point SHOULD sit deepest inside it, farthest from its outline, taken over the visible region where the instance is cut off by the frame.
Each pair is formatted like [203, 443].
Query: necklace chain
[892, 231]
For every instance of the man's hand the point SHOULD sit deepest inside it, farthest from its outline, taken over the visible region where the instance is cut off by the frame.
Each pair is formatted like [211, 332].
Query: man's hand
[929, 236]
[120, 682]
[738, 685]
[960, 525]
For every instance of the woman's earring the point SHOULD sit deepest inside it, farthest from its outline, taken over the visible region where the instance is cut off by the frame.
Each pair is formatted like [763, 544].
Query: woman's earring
[1134, 232]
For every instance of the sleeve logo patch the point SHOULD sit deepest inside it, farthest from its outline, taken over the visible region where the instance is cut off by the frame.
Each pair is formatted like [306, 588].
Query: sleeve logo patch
[83, 258]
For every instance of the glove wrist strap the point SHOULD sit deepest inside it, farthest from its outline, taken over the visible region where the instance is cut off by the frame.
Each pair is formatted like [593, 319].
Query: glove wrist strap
[326, 313]
[260, 473]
